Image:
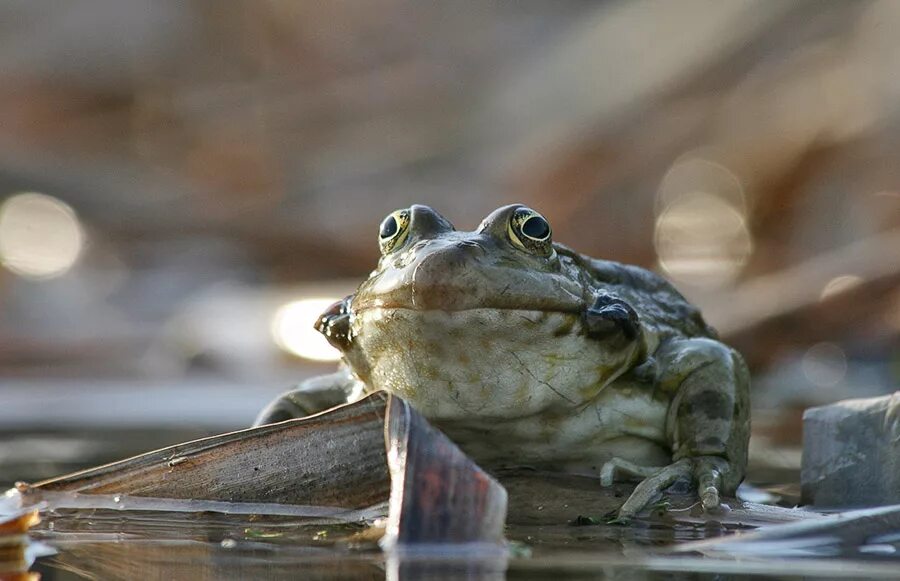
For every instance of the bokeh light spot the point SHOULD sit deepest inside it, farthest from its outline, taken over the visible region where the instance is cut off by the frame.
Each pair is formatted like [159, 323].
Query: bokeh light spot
[702, 240]
[824, 364]
[839, 284]
[292, 329]
[40, 236]
[691, 173]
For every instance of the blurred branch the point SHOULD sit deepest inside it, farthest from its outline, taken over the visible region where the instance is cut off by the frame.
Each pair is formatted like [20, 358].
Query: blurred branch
[787, 307]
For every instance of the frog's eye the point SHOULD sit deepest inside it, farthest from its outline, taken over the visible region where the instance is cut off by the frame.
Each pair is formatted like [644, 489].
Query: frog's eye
[393, 231]
[530, 231]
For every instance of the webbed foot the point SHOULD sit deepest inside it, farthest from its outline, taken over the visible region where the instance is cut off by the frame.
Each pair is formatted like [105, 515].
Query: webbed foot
[704, 471]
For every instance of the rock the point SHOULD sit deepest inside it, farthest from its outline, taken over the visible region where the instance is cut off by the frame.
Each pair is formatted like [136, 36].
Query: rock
[851, 453]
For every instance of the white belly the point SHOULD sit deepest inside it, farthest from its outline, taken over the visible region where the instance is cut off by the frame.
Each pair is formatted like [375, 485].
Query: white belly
[515, 387]
[624, 422]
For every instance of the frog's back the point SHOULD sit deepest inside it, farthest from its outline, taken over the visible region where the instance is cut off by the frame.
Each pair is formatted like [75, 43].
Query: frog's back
[658, 303]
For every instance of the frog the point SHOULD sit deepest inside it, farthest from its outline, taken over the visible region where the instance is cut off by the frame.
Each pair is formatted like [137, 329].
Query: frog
[526, 353]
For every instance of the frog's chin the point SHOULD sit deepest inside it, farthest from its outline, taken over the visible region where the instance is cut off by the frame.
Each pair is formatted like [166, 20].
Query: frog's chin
[486, 362]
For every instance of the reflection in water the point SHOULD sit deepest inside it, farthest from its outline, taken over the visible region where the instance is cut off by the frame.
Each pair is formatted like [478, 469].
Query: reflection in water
[116, 545]
[111, 544]
[193, 560]
[17, 552]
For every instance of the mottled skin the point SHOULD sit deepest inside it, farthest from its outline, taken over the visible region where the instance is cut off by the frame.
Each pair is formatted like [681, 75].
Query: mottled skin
[528, 353]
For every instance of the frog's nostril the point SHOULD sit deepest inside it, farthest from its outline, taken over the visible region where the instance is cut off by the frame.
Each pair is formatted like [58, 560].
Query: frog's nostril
[470, 245]
[448, 261]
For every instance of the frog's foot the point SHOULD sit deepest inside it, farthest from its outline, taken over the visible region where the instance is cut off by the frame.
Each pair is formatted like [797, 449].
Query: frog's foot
[619, 467]
[705, 471]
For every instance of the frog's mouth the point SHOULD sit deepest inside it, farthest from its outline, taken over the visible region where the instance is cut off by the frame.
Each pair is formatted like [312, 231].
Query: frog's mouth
[474, 325]
[456, 298]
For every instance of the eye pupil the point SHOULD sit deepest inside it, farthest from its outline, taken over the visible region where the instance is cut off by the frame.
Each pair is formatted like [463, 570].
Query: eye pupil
[388, 227]
[536, 227]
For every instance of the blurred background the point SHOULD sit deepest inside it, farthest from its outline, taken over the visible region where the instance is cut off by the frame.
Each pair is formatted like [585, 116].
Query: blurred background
[185, 184]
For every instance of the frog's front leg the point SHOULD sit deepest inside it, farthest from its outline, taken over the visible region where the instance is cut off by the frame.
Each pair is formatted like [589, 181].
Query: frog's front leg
[708, 423]
[312, 396]
[320, 393]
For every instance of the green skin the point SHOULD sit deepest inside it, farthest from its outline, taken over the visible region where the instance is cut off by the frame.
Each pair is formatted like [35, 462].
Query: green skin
[527, 353]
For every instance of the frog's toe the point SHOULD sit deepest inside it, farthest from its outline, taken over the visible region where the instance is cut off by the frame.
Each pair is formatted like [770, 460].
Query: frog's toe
[705, 471]
[618, 466]
[653, 486]
[708, 472]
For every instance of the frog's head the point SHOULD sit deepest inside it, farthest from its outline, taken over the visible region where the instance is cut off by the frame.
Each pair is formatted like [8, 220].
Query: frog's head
[488, 322]
[508, 263]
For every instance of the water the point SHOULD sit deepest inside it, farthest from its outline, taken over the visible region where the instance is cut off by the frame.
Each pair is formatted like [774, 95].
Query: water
[111, 544]
[126, 538]
[555, 530]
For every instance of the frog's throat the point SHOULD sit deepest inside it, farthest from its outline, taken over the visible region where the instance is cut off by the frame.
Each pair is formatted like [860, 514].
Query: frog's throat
[485, 362]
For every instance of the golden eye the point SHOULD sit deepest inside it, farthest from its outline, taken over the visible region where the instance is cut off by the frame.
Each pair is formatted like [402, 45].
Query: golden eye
[393, 231]
[531, 232]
